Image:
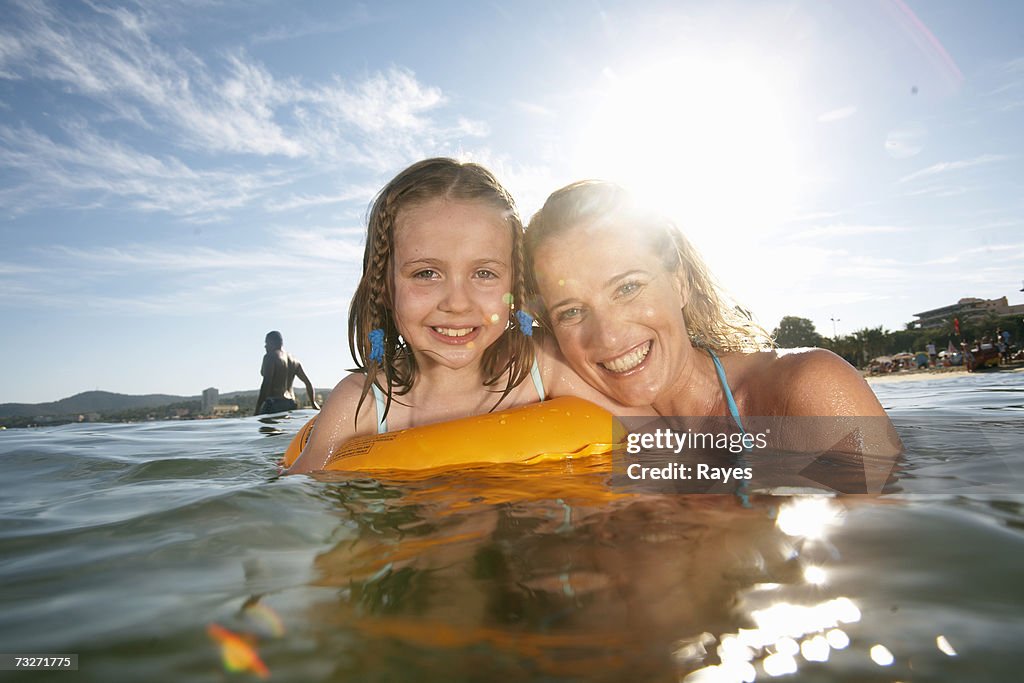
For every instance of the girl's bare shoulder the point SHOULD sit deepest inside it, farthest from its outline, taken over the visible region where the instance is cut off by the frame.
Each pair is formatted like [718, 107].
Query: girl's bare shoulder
[343, 417]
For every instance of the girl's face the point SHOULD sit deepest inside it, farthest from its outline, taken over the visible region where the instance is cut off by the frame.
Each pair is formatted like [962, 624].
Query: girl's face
[452, 279]
[616, 312]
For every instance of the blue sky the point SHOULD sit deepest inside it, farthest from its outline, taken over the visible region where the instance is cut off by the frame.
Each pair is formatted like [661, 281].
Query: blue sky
[178, 178]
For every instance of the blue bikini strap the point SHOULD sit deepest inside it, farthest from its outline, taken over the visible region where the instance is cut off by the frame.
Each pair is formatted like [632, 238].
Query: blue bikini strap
[741, 489]
[730, 401]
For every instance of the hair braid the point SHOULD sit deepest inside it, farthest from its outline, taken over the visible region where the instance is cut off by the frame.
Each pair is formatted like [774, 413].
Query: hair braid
[372, 303]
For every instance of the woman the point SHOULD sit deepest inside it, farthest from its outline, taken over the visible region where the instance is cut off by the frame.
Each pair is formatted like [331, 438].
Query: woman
[638, 316]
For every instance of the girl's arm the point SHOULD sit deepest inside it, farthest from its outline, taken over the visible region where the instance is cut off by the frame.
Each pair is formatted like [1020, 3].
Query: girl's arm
[337, 424]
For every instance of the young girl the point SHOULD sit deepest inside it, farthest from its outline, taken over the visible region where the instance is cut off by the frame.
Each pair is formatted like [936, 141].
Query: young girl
[435, 325]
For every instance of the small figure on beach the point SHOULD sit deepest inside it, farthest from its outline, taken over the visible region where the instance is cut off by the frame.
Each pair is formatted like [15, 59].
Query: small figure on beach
[1003, 344]
[279, 371]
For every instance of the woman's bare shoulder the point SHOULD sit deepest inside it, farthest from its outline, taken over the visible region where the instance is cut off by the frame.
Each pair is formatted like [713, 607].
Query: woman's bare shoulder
[810, 382]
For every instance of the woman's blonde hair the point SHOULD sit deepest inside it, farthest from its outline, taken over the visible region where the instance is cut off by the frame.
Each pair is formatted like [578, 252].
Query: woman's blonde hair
[712, 320]
[373, 304]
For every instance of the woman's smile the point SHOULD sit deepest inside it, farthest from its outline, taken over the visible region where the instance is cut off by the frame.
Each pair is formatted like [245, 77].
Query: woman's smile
[629, 361]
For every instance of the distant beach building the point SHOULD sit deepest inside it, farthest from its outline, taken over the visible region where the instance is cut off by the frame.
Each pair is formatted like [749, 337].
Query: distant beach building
[210, 398]
[965, 309]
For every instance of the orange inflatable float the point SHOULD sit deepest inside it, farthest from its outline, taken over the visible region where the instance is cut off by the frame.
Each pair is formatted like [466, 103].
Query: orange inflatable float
[557, 429]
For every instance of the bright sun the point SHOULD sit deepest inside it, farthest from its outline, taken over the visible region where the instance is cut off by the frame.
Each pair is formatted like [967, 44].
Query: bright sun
[705, 140]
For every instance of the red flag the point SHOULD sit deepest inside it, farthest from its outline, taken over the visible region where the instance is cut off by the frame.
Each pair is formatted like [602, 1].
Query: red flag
[956, 325]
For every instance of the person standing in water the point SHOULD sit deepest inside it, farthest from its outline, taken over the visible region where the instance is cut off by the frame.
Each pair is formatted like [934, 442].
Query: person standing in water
[279, 371]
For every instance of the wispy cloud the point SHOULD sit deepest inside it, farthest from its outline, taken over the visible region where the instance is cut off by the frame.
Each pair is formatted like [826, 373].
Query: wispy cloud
[197, 113]
[112, 59]
[813, 216]
[843, 230]
[837, 115]
[946, 166]
[87, 170]
[533, 108]
[151, 259]
[1002, 252]
[360, 193]
[17, 269]
[175, 281]
[939, 190]
[903, 143]
[875, 269]
[357, 16]
[988, 258]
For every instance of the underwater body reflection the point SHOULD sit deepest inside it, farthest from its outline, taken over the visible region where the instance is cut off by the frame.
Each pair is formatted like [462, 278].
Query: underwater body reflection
[556, 576]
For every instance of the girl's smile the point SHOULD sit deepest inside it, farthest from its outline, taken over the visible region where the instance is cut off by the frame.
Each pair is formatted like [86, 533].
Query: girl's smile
[453, 335]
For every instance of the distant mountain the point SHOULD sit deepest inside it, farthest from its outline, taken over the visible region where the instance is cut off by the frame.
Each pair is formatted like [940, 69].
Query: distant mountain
[106, 402]
[90, 402]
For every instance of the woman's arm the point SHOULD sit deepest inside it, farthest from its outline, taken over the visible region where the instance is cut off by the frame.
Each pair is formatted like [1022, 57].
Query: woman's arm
[820, 383]
[834, 408]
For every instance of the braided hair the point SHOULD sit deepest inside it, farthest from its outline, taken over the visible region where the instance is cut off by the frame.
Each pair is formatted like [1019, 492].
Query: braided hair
[372, 307]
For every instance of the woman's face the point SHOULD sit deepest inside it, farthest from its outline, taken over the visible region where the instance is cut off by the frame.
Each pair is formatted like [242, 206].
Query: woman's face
[616, 312]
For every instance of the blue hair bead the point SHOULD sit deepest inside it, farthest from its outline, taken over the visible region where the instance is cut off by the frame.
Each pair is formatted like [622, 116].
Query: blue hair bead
[525, 322]
[376, 345]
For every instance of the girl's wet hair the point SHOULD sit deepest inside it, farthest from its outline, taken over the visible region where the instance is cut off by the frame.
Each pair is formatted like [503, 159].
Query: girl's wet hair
[372, 305]
[712, 320]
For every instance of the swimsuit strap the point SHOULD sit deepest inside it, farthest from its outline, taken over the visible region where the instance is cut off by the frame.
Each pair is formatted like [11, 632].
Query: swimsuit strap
[382, 421]
[730, 401]
[537, 381]
[741, 489]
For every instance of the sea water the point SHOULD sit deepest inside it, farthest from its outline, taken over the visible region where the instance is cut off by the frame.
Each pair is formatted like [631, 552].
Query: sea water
[171, 551]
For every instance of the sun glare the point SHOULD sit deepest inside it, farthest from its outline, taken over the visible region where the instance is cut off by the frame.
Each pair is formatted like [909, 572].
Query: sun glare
[707, 141]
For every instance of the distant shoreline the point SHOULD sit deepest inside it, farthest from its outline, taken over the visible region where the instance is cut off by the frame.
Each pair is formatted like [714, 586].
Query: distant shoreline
[940, 373]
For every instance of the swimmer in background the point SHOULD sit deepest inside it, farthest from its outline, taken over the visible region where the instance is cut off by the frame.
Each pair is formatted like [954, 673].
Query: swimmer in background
[279, 371]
